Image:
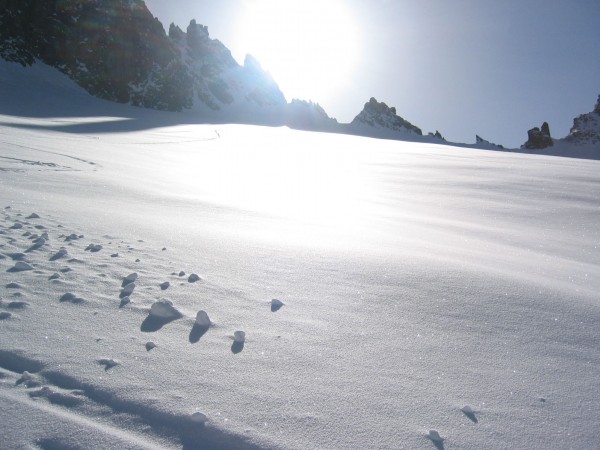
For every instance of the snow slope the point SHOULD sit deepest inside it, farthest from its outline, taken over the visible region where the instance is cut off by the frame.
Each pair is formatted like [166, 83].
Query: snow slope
[416, 280]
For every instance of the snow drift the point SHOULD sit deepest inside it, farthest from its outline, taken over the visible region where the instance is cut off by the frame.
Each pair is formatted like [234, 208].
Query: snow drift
[433, 297]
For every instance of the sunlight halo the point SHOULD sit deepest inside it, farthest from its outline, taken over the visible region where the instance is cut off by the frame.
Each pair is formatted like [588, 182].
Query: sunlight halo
[309, 46]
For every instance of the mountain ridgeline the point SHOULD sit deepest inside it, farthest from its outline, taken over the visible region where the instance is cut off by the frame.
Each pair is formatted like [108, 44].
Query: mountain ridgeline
[117, 50]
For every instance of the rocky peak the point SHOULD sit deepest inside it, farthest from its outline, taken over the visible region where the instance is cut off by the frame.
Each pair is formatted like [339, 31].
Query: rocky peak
[380, 115]
[538, 138]
[597, 108]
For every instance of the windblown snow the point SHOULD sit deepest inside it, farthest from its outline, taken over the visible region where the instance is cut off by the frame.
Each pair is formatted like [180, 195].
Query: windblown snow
[347, 292]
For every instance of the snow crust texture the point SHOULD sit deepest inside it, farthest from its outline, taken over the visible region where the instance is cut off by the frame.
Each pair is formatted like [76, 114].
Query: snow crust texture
[350, 292]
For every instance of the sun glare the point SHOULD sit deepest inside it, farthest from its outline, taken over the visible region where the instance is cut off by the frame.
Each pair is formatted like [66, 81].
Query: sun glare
[308, 46]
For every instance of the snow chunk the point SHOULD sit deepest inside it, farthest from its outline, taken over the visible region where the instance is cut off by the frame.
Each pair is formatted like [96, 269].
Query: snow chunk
[164, 309]
[435, 437]
[276, 305]
[127, 290]
[193, 278]
[20, 266]
[199, 417]
[202, 319]
[239, 336]
[129, 279]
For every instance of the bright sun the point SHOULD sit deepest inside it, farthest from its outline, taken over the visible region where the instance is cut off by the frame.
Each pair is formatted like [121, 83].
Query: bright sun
[308, 46]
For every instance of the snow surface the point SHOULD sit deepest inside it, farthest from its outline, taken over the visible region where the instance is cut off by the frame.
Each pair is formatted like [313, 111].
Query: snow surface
[435, 297]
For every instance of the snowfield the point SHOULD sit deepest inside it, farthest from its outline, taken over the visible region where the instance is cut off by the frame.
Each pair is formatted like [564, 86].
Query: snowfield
[428, 296]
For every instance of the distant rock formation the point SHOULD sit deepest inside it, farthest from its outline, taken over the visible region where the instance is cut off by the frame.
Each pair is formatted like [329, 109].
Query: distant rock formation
[484, 143]
[304, 115]
[539, 138]
[437, 135]
[586, 128]
[380, 116]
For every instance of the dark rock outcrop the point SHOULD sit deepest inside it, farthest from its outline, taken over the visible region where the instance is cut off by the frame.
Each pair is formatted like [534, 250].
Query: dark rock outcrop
[539, 138]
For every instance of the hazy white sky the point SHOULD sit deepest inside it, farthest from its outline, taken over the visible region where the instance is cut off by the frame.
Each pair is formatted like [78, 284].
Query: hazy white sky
[495, 68]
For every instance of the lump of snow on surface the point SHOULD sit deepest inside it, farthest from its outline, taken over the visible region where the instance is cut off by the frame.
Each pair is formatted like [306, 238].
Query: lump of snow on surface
[150, 345]
[239, 336]
[59, 254]
[93, 248]
[72, 298]
[435, 437]
[129, 279]
[164, 285]
[33, 216]
[202, 319]
[20, 266]
[29, 380]
[199, 418]
[193, 278]
[127, 290]
[5, 315]
[164, 309]
[276, 304]
[467, 410]
[108, 363]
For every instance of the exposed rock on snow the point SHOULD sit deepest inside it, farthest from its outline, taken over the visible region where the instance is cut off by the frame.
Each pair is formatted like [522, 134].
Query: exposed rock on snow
[94, 248]
[164, 285]
[150, 345]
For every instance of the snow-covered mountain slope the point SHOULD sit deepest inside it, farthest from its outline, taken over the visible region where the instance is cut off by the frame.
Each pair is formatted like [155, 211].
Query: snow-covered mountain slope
[428, 291]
